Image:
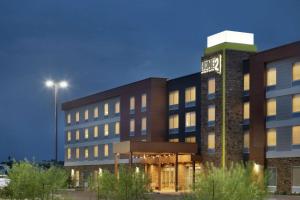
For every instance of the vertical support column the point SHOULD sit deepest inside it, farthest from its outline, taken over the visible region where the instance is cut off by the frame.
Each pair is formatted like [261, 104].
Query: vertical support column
[176, 172]
[130, 160]
[194, 174]
[116, 164]
[159, 173]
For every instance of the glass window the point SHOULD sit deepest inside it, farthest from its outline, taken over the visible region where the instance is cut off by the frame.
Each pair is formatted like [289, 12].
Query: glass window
[86, 133]
[246, 110]
[117, 107]
[86, 152]
[174, 140]
[106, 150]
[117, 128]
[96, 151]
[272, 181]
[296, 176]
[246, 140]
[106, 129]
[77, 153]
[106, 109]
[96, 112]
[296, 103]
[77, 135]
[132, 125]
[296, 135]
[211, 86]
[190, 119]
[144, 101]
[173, 98]
[190, 139]
[271, 137]
[96, 131]
[144, 124]
[211, 113]
[69, 118]
[69, 153]
[173, 121]
[211, 141]
[77, 116]
[296, 71]
[69, 136]
[271, 107]
[271, 76]
[246, 82]
[86, 114]
[190, 94]
[132, 103]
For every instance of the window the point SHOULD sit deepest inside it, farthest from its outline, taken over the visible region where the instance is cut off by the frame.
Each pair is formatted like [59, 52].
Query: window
[96, 112]
[190, 139]
[190, 119]
[296, 71]
[117, 107]
[86, 152]
[272, 181]
[96, 131]
[106, 150]
[96, 152]
[117, 128]
[69, 118]
[106, 111]
[86, 133]
[246, 82]
[271, 137]
[69, 153]
[246, 110]
[296, 103]
[173, 98]
[132, 126]
[211, 113]
[246, 140]
[296, 176]
[144, 124]
[271, 77]
[173, 122]
[211, 86]
[77, 135]
[144, 101]
[271, 107]
[86, 115]
[174, 140]
[132, 103]
[211, 141]
[69, 136]
[106, 129]
[77, 116]
[77, 153]
[296, 135]
[190, 94]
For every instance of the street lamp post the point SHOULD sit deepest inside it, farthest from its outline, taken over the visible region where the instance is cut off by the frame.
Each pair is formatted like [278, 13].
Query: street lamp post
[56, 86]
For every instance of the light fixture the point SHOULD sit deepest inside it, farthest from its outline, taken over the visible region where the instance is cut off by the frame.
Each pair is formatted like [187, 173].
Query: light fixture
[49, 83]
[63, 84]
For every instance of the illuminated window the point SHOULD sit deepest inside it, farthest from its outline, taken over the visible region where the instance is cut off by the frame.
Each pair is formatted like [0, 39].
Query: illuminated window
[174, 140]
[173, 98]
[190, 119]
[173, 122]
[211, 141]
[271, 107]
[296, 135]
[190, 139]
[296, 71]
[106, 111]
[77, 153]
[296, 177]
[246, 110]
[117, 107]
[144, 101]
[144, 124]
[86, 153]
[77, 116]
[86, 114]
[211, 86]
[69, 118]
[96, 152]
[296, 103]
[96, 131]
[132, 103]
[106, 129]
[117, 128]
[246, 140]
[211, 113]
[69, 153]
[77, 135]
[271, 137]
[271, 77]
[96, 112]
[246, 82]
[272, 174]
[106, 150]
[190, 94]
[132, 125]
[86, 133]
[69, 136]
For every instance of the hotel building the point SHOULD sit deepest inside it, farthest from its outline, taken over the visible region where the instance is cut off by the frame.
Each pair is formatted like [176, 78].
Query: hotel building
[242, 105]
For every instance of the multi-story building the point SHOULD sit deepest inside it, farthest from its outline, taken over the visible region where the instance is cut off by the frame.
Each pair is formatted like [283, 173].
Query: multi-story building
[243, 105]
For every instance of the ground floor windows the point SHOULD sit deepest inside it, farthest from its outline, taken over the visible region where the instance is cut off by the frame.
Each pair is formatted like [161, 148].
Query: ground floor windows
[272, 180]
[211, 142]
[296, 179]
[246, 141]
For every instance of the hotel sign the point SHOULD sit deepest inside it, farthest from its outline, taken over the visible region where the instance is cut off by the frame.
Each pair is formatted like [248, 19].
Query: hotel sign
[214, 64]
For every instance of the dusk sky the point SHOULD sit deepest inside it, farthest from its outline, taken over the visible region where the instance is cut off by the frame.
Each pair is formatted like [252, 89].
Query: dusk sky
[99, 44]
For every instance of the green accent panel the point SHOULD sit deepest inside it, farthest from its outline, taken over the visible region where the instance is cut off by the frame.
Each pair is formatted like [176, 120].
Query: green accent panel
[231, 46]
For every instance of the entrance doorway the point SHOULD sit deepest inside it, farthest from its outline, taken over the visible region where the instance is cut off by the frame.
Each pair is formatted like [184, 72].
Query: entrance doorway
[168, 178]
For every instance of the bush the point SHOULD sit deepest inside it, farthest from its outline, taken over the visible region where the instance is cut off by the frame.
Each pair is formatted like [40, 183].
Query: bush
[235, 182]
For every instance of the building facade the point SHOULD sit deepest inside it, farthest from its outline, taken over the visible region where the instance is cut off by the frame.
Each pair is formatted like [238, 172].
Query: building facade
[242, 105]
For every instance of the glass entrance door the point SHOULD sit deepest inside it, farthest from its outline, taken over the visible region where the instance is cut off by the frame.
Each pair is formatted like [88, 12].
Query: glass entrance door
[168, 178]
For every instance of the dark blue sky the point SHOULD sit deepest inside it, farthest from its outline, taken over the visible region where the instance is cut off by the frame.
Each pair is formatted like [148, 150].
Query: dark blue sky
[100, 44]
